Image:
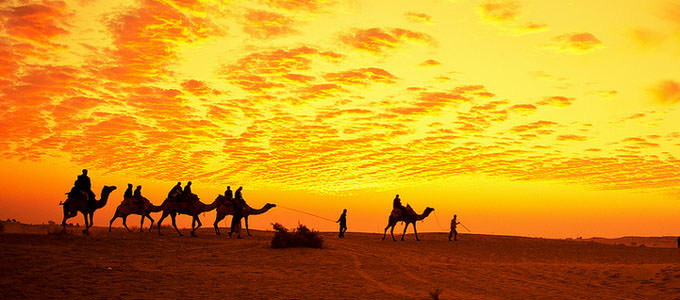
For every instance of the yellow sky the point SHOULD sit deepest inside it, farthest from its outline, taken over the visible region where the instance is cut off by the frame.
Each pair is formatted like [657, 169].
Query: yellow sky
[537, 118]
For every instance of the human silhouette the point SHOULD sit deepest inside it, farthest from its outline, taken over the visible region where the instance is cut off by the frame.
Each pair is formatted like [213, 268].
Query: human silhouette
[396, 203]
[175, 191]
[137, 196]
[84, 185]
[343, 223]
[228, 194]
[238, 212]
[128, 191]
[187, 189]
[453, 231]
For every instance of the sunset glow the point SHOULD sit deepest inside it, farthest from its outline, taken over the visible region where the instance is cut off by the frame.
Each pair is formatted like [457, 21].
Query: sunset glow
[540, 118]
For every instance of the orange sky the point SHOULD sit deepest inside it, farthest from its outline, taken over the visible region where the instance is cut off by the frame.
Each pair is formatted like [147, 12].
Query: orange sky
[536, 118]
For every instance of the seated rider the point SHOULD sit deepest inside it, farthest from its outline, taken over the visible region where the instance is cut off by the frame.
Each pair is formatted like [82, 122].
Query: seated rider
[186, 193]
[128, 191]
[228, 195]
[84, 186]
[138, 198]
[396, 204]
[175, 191]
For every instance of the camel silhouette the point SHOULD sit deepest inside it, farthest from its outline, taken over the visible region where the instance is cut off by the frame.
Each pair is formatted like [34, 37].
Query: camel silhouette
[407, 216]
[227, 208]
[80, 203]
[191, 205]
[128, 207]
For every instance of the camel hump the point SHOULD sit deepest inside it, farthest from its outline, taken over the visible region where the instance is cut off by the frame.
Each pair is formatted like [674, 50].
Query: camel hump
[409, 209]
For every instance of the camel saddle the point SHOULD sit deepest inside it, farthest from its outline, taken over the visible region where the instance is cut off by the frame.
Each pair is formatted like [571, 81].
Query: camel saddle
[398, 212]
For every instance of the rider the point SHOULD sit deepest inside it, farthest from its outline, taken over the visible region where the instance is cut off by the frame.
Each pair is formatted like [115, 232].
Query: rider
[238, 212]
[138, 198]
[396, 204]
[84, 185]
[187, 194]
[128, 192]
[175, 191]
[228, 194]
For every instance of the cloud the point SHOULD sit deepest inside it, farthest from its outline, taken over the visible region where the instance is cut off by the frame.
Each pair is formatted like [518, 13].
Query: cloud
[361, 76]
[263, 24]
[667, 92]
[297, 5]
[577, 42]
[499, 11]
[377, 40]
[419, 17]
[39, 23]
[430, 63]
[559, 101]
[571, 137]
[523, 108]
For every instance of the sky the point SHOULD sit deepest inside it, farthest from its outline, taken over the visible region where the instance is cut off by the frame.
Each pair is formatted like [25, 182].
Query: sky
[533, 118]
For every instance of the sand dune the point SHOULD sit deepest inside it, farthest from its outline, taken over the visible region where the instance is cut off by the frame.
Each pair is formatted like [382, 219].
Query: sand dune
[122, 265]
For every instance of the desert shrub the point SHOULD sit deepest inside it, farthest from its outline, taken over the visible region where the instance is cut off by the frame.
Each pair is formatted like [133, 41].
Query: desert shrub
[300, 237]
[435, 293]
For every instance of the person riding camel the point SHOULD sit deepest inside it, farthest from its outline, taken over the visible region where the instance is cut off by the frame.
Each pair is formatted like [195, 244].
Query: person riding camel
[84, 185]
[175, 191]
[228, 194]
[138, 199]
[396, 204]
[186, 193]
[128, 192]
[239, 204]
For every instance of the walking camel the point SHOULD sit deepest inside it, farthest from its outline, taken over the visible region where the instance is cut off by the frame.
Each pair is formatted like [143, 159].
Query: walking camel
[188, 205]
[128, 207]
[80, 203]
[227, 208]
[407, 216]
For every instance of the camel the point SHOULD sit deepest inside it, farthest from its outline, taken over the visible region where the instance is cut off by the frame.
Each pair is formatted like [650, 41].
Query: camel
[227, 208]
[190, 205]
[74, 204]
[408, 216]
[128, 207]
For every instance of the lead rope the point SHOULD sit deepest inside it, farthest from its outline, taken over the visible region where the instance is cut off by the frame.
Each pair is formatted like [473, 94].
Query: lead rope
[437, 219]
[304, 212]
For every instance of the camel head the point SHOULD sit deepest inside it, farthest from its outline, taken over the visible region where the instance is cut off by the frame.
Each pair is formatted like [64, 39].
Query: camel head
[427, 211]
[269, 205]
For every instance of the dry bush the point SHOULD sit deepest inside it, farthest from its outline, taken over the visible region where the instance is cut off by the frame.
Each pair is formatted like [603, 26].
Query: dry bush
[300, 237]
[435, 293]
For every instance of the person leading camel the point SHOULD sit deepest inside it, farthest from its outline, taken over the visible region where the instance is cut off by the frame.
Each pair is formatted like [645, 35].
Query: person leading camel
[453, 231]
[343, 223]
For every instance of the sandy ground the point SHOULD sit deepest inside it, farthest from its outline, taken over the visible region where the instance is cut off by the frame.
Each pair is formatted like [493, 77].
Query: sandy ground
[122, 265]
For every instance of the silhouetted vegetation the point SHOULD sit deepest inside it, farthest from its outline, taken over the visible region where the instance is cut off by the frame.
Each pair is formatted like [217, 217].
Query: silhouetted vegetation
[300, 237]
[435, 293]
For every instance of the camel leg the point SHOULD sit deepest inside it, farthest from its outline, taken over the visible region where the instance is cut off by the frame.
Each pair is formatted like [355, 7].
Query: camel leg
[113, 219]
[125, 224]
[402, 235]
[172, 216]
[91, 222]
[385, 232]
[197, 220]
[415, 231]
[218, 218]
[150, 218]
[141, 224]
[165, 215]
[87, 227]
[392, 231]
[247, 231]
[63, 221]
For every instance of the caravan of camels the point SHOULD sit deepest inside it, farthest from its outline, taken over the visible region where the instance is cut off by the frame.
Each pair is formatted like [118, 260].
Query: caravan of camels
[183, 201]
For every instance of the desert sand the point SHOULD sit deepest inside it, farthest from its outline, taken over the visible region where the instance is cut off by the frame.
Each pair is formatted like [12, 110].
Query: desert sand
[134, 265]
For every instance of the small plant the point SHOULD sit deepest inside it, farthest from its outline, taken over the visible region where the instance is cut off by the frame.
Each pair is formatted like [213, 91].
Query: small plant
[435, 293]
[300, 237]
